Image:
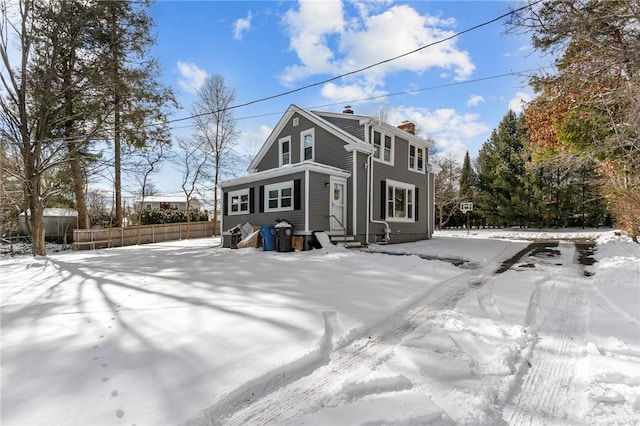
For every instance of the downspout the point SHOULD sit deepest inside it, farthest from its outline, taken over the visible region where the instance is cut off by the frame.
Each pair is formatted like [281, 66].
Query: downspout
[387, 229]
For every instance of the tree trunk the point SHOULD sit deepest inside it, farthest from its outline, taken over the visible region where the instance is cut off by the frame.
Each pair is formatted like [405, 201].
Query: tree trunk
[77, 174]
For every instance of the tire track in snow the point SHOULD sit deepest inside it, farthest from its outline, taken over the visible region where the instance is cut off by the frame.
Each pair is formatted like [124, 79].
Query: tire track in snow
[547, 393]
[313, 392]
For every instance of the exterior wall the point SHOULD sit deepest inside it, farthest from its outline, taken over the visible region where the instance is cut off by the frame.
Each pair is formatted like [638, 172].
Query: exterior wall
[328, 149]
[400, 231]
[295, 217]
[318, 202]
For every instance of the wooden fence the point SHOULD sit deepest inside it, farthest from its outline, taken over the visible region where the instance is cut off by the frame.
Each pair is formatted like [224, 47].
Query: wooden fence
[145, 234]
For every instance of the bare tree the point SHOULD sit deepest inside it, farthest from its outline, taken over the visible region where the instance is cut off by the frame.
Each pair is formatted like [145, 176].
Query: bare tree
[216, 127]
[446, 187]
[193, 160]
[147, 162]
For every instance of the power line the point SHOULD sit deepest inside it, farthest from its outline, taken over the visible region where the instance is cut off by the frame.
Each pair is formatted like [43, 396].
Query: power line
[388, 95]
[357, 71]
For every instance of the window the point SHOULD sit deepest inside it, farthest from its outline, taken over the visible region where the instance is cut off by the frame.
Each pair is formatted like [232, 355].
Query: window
[278, 197]
[383, 145]
[285, 151]
[296, 121]
[148, 206]
[239, 202]
[400, 201]
[306, 145]
[416, 158]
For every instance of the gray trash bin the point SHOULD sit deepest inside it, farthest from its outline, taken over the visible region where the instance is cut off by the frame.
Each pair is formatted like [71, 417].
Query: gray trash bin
[284, 236]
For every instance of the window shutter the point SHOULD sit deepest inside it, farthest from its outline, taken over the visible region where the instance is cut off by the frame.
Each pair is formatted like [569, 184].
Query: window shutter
[252, 201]
[225, 202]
[261, 199]
[297, 196]
[383, 200]
[417, 204]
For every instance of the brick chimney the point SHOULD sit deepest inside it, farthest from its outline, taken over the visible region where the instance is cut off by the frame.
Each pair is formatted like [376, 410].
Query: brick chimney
[347, 110]
[408, 127]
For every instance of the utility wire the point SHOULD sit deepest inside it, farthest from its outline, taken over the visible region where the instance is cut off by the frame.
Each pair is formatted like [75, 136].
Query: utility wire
[388, 95]
[357, 71]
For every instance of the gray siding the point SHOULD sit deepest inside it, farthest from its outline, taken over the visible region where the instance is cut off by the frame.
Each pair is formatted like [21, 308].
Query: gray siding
[318, 202]
[401, 231]
[295, 217]
[329, 149]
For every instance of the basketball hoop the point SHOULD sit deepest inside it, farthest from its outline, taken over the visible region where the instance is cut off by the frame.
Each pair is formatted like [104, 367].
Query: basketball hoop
[466, 207]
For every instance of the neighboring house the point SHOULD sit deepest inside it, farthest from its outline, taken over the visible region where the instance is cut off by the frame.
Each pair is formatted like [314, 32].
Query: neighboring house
[162, 202]
[340, 173]
[59, 224]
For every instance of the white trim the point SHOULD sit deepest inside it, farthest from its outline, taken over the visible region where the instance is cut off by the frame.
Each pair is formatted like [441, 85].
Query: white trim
[424, 159]
[354, 195]
[345, 136]
[333, 180]
[278, 187]
[284, 171]
[383, 136]
[312, 132]
[306, 201]
[281, 141]
[237, 193]
[402, 185]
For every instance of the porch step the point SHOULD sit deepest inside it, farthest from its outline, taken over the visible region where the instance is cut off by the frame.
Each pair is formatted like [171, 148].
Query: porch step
[341, 238]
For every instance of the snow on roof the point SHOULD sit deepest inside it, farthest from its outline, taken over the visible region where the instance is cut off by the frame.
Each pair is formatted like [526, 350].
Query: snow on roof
[166, 199]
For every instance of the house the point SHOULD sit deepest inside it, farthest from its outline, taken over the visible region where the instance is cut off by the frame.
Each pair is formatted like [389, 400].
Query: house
[351, 176]
[59, 224]
[163, 202]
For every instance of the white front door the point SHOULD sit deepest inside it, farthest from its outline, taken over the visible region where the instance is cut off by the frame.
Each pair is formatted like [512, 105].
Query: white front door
[337, 203]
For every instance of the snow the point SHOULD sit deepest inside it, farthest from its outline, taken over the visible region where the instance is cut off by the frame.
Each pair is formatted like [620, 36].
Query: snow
[432, 332]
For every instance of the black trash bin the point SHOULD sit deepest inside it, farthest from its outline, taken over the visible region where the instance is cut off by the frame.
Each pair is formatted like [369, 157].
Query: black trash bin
[236, 236]
[284, 236]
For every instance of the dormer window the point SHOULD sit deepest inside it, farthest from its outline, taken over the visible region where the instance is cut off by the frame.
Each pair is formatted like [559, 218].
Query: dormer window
[384, 147]
[307, 143]
[285, 151]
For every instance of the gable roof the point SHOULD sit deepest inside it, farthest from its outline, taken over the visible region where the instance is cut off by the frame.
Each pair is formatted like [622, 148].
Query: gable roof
[388, 128]
[352, 142]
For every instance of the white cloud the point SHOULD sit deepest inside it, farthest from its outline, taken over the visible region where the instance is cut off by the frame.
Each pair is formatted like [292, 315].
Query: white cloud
[240, 26]
[452, 132]
[349, 92]
[326, 43]
[474, 100]
[191, 77]
[519, 101]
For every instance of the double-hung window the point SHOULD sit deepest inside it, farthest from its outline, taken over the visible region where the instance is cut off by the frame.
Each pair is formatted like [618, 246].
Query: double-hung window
[239, 202]
[416, 158]
[307, 142]
[383, 145]
[400, 201]
[284, 151]
[278, 197]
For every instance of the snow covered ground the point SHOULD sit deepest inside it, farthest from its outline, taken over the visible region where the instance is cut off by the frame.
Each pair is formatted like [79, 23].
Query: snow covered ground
[187, 332]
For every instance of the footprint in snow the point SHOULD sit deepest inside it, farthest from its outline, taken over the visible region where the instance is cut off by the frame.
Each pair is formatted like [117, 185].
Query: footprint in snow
[119, 414]
[114, 393]
[105, 379]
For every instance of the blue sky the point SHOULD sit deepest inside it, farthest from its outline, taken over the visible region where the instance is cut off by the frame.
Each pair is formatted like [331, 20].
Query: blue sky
[263, 48]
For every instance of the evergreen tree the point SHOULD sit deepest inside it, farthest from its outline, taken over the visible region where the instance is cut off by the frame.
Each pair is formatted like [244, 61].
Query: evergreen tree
[468, 180]
[502, 192]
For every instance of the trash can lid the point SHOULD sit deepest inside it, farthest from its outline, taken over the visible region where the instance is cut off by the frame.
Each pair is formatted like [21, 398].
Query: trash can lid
[283, 224]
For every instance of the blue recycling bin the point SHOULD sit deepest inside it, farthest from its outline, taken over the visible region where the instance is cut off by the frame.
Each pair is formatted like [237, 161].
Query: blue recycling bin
[268, 234]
